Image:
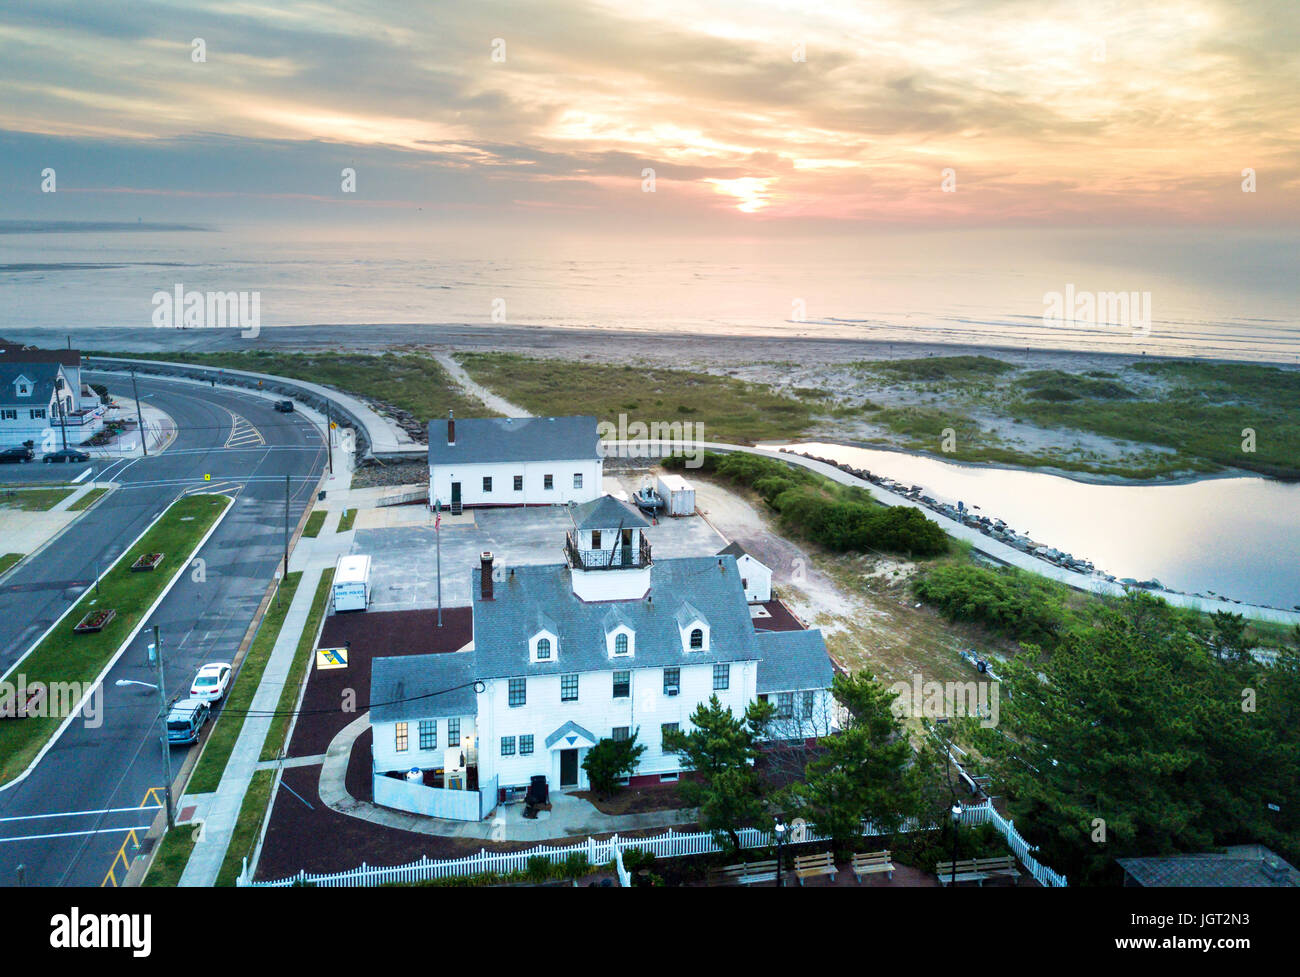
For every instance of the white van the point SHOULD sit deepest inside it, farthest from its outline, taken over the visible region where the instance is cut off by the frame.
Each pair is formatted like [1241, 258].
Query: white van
[352, 583]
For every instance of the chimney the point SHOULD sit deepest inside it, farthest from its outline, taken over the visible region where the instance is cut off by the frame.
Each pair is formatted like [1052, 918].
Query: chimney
[451, 428]
[486, 574]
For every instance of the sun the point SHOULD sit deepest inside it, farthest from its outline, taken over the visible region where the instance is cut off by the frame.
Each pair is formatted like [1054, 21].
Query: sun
[750, 191]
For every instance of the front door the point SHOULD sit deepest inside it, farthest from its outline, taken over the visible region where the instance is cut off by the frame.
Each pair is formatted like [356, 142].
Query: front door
[455, 498]
[568, 768]
[627, 547]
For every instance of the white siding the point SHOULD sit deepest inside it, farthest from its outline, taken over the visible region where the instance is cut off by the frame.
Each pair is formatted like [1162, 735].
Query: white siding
[757, 578]
[385, 745]
[534, 491]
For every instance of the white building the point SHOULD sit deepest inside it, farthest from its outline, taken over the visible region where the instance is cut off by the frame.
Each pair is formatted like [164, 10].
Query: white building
[755, 577]
[608, 644]
[487, 461]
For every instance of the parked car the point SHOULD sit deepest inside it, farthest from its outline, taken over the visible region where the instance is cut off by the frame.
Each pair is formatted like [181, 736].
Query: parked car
[185, 719]
[284, 406]
[19, 454]
[211, 683]
[65, 455]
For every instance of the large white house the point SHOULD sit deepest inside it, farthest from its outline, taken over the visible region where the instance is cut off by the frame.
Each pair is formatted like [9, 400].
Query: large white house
[485, 461]
[41, 391]
[611, 643]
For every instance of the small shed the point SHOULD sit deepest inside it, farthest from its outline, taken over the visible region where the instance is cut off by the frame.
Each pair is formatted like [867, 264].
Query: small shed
[678, 495]
[755, 577]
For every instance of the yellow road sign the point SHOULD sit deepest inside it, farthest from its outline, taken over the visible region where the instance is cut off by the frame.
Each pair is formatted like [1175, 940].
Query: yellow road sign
[331, 658]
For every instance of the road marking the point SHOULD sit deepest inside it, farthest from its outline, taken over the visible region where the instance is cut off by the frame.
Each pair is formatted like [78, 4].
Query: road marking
[81, 814]
[131, 839]
[243, 433]
[83, 475]
[69, 834]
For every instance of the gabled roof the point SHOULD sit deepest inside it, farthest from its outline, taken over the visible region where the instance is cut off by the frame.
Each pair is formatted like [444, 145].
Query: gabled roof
[614, 619]
[17, 353]
[606, 512]
[1245, 865]
[734, 549]
[687, 613]
[40, 375]
[502, 626]
[570, 728]
[415, 687]
[482, 440]
[792, 661]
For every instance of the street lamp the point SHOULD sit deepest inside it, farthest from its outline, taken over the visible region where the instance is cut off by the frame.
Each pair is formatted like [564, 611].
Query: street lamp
[956, 819]
[155, 656]
[779, 829]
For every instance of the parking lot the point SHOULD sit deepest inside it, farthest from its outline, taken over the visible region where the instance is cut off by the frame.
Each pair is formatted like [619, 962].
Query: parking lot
[403, 573]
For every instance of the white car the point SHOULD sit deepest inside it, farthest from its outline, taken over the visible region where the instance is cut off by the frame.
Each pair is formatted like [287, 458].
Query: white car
[211, 683]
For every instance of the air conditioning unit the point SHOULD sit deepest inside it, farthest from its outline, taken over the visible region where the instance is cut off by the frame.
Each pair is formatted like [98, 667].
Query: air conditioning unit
[672, 690]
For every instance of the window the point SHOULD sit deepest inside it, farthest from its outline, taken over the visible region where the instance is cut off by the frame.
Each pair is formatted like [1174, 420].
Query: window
[672, 680]
[808, 699]
[621, 733]
[568, 688]
[664, 731]
[697, 639]
[519, 483]
[487, 483]
[721, 677]
[548, 482]
[577, 480]
[428, 734]
[595, 539]
[622, 685]
[400, 740]
[37, 413]
[22, 389]
[785, 705]
[507, 746]
[518, 692]
[9, 415]
[453, 732]
[620, 644]
[526, 745]
[543, 649]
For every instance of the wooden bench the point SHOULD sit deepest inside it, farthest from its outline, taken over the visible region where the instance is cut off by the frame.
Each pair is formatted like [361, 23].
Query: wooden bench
[978, 869]
[806, 866]
[1002, 866]
[871, 862]
[745, 873]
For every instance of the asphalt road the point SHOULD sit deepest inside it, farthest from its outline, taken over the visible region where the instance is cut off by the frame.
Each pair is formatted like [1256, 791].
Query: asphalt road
[67, 820]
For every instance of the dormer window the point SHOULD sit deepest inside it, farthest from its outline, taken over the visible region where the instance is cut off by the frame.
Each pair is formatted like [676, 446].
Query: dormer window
[693, 627]
[544, 645]
[620, 644]
[543, 649]
[697, 639]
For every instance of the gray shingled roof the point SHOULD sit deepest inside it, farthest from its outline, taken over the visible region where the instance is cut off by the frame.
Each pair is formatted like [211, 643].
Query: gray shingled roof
[1244, 867]
[503, 626]
[607, 512]
[481, 440]
[401, 687]
[733, 549]
[792, 661]
[42, 377]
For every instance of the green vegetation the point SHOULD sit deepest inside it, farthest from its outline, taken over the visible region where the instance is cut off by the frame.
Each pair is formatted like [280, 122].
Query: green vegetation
[34, 500]
[932, 368]
[1013, 603]
[168, 865]
[346, 520]
[839, 517]
[65, 657]
[9, 559]
[609, 761]
[1143, 723]
[409, 381]
[314, 523]
[540, 869]
[87, 500]
[729, 409]
[248, 827]
[221, 739]
[302, 656]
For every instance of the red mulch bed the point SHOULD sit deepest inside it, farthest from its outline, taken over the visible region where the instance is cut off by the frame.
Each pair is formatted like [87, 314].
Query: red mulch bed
[372, 634]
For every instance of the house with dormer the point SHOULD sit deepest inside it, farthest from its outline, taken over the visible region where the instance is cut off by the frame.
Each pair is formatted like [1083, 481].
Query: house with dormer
[34, 397]
[610, 643]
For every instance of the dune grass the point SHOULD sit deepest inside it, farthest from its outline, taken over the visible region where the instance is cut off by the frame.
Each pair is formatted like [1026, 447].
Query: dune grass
[302, 656]
[65, 657]
[223, 736]
[730, 409]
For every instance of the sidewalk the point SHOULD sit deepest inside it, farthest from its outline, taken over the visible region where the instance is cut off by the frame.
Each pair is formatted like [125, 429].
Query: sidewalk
[160, 430]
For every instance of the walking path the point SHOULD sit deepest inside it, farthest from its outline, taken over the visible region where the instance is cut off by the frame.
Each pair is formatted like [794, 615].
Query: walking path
[569, 815]
[467, 383]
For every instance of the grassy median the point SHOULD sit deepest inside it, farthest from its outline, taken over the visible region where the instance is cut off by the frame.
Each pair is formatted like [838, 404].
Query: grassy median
[33, 500]
[87, 500]
[222, 738]
[248, 827]
[64, 657]
[314, 523]
[302, 656]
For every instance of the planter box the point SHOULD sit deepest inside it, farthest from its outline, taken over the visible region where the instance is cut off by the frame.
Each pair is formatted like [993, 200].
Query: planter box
[95, 621]
[147, 561]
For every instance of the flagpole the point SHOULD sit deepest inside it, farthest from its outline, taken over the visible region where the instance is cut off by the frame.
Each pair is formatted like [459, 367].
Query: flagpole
[437, 532]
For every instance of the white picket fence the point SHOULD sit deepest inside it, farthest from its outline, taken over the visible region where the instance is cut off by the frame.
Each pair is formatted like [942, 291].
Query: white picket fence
[670, 844]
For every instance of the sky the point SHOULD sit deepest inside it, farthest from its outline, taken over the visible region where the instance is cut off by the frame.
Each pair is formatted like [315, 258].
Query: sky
[825, 116]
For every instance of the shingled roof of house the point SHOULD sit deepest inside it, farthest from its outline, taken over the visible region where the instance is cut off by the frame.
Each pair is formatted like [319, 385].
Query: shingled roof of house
[486, 440]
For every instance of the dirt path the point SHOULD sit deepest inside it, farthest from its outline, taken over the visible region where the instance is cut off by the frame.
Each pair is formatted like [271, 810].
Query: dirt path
[466, 382]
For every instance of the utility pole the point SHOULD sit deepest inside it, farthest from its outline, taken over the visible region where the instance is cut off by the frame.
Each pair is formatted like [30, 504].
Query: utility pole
[329, 434]
[437, 534]
[286, 527]
[162, 713]
[63, 424]
[139, 413]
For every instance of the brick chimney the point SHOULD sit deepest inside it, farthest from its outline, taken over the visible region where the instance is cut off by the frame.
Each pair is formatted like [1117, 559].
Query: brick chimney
[485, 559]
[451, 428]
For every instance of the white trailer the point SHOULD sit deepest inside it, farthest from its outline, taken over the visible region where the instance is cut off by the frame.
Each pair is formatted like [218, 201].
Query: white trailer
[678, 495]
[352, 583]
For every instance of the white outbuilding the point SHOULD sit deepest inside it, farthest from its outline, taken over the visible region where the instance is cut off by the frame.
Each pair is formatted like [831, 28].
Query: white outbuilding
[678, 495]
[755, 577]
